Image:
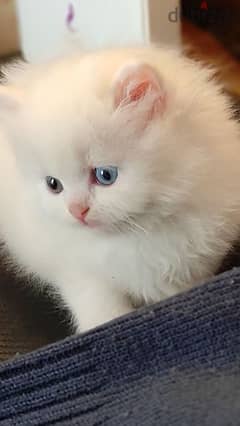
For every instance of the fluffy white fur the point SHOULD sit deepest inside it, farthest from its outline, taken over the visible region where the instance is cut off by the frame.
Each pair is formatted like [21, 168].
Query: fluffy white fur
[173, 213]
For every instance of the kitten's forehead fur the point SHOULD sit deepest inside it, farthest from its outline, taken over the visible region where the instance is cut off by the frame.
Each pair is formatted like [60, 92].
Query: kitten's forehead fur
[70, 101]
[92, 75]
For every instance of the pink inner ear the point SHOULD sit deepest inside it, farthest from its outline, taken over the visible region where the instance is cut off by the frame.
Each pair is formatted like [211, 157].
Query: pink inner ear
[134, 83]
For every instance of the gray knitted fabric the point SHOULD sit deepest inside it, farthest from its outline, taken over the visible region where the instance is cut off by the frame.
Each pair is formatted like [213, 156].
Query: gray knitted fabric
[174, 364]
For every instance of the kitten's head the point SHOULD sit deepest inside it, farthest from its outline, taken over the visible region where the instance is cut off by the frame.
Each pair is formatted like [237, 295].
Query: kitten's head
[110, 142]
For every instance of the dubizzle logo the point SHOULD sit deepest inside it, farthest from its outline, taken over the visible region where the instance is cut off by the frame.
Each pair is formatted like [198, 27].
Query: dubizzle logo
[203, 14]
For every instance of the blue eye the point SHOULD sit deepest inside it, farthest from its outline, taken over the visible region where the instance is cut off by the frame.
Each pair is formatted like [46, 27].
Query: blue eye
[106, 175]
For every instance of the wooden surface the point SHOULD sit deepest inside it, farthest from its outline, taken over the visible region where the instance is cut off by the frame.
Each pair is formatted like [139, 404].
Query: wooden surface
[9, 38]
[202, 45]
[29, 318]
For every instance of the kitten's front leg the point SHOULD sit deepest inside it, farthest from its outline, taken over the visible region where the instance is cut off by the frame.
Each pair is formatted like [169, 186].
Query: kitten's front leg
[97, 303]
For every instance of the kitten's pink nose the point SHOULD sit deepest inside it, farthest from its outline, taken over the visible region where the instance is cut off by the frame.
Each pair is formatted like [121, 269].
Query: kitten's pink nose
[78, 211]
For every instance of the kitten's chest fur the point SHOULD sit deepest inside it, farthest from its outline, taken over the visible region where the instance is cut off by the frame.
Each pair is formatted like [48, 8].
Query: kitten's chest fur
[149, 267]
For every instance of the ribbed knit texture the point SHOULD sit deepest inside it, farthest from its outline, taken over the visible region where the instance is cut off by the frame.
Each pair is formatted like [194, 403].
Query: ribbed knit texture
[175, 364]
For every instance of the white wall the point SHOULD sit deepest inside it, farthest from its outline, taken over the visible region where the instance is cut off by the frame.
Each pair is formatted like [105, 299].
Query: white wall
[45, 29]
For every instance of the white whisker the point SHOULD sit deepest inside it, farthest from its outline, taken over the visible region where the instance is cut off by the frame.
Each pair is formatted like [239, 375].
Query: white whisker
[137, 226]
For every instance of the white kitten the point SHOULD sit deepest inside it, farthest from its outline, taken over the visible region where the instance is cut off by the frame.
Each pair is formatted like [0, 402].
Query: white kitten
[119, 177]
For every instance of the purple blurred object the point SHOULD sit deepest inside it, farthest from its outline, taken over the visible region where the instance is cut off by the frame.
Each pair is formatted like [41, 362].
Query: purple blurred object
[70, 17]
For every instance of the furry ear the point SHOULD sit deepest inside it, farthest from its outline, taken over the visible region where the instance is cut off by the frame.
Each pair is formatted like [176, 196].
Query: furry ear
[139, 85]
[10, 100]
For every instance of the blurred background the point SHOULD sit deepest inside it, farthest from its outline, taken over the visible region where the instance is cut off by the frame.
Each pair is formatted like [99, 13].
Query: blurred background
[208, 29]
[9, 37]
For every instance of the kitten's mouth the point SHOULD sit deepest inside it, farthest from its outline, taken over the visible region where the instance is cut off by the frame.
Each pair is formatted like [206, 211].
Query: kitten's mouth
[83, 221]
[88, 223]
[128, 225]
